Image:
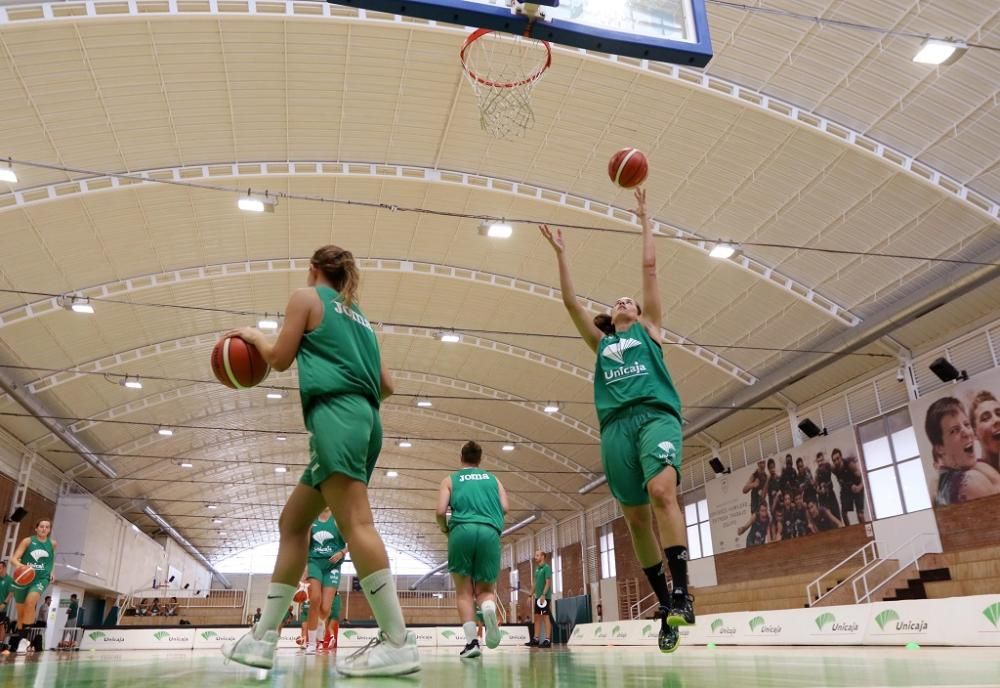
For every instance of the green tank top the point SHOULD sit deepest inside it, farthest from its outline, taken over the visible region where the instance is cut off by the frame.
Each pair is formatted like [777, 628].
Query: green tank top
[39, 556]
[324, 539]
[340, 356]
[475, 498]
[5, 584]
[630, 371]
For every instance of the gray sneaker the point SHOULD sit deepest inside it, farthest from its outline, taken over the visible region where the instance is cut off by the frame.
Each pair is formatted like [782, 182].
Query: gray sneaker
[252, 652]
[381, 658]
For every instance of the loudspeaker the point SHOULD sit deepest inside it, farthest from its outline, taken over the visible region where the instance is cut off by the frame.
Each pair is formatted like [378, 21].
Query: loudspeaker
[716, 464]
[18, 515]
[946, 372]
[810, 429]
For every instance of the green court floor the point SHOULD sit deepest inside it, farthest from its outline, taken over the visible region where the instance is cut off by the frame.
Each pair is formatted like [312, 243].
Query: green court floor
[693, 667]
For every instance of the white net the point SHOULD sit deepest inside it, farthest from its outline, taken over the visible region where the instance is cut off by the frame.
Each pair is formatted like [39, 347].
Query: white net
[503, 70]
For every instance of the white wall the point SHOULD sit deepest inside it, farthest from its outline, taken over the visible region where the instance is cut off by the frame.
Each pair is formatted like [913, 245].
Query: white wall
[701, 573]
[185, 568]
[100, 549]
[891, 533]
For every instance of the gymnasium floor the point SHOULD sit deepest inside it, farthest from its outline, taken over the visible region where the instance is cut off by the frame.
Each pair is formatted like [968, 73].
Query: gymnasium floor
[693, 667]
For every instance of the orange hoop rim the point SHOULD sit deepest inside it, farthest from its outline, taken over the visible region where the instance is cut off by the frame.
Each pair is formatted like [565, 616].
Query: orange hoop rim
[479, 33]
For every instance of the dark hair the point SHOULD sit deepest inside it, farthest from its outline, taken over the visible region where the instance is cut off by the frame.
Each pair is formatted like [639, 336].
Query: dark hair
[472, 453]
[799, 461]
[945, 406]
[41, 521]
[837, 452]
[604, 323]
[770, 462]
[979, 399]
[338, 266]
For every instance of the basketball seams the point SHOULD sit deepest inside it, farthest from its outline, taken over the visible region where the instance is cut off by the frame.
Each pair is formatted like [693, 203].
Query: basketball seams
[229, 369]
[623, 164]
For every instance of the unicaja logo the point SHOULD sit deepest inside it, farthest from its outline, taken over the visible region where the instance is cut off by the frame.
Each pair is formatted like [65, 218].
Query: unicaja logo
[351, 634]
[599, 632]
[719, 626]
[447, 634]
[647, 631]
[824, 619]
[756, 622]
[885, 619]
[161, 635]
[616, 632]
[96, 635]
[616, 350]
[208, 635]
[992, 614]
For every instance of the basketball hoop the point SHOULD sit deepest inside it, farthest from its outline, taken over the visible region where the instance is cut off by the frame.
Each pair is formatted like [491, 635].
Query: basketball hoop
[503, 70]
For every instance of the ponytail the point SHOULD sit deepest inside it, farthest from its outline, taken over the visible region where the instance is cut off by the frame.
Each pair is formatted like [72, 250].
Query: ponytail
[338, 266]
[604, 324]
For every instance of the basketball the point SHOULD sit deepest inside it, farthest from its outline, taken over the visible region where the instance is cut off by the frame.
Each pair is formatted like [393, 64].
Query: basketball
[237, 364]
[23, 575]
[300, 596]
[628, 168]
[300, 641]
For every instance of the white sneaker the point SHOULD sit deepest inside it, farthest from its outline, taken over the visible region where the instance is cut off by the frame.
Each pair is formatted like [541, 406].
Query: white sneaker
[310, 649]
[23, 646]
[252, 652]
[493, 634]
[381, 658]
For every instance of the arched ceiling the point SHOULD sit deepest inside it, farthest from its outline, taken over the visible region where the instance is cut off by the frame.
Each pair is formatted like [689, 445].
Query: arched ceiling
[795, 135]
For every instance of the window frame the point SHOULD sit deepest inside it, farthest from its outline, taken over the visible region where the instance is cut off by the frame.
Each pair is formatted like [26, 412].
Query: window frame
[887, 433]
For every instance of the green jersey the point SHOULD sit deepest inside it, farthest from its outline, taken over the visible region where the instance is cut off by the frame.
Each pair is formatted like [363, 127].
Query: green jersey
[325, 540]
[475, 498]
[542, 574]
[340, 356]
[5, 583]
[630, 371]
[39, 556]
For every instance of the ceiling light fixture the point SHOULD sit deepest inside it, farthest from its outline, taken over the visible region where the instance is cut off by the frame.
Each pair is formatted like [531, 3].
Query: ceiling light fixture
[131, 381]
[392, 474]
[449, 337]
[7, 174]
[496, 230]
[211, 506]
[165, 432]
[280, 438]
[934, 51]
[722, 250]
[280, 469]
[508, 447]
[185, 464]
[76, 303]
[255, 203]
[275, 395]
[552, 407]
[405, 444]
[424, 403]
[267, 323]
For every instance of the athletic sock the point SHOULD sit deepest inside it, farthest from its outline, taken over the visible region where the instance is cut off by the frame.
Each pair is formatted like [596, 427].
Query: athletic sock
[279, 596]
[380, 590]
[677, 560]
[470, 631]
[658, 582]
[312, 638]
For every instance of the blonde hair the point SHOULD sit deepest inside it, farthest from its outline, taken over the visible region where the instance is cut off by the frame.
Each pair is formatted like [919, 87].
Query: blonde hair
[338, 266]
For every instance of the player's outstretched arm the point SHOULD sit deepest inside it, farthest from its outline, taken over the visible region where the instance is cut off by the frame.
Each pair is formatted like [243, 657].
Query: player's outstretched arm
[652, 305]
[584, 325]
[444, 498]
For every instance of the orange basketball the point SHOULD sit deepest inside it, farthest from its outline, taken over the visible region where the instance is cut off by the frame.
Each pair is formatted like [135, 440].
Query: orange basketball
[300, 596]
[628, 168]
[237, 364]
[23, 575]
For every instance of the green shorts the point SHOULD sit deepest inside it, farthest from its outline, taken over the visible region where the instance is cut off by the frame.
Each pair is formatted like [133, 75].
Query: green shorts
[637, 446]
[326, 573]
[335, 609]
[345, 436]
[474, 551]
[38, 585]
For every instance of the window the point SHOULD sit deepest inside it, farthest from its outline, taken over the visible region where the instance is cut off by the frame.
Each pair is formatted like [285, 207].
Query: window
[892, 461]
[607, 552]
[557, 574]
[514, 579]
[698, 530]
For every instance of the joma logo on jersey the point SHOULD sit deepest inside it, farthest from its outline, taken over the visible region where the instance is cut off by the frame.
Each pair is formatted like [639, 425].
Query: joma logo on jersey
[352, 314]
[473, 476]
[616, 351]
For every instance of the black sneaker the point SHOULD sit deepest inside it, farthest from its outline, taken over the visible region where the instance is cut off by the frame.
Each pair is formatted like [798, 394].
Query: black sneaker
[545, 643]
[532, 643]
[471, 650]
[681, 610]
[669, 637]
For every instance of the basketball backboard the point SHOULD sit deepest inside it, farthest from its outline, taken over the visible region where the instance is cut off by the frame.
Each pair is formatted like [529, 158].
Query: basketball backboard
[673, 31]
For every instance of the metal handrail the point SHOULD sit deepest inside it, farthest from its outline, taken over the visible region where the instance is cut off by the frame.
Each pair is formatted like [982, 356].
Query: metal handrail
[915, 554]
[636, 610]
[818, 583]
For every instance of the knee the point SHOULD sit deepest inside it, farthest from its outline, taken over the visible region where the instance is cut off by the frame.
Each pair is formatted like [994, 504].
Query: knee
[637, 518]
[660, 494]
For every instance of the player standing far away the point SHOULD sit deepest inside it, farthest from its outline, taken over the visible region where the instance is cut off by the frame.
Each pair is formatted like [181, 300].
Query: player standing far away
[640, 416]
[38, 552]
[326, 553]
[342, 382]
[478, 504]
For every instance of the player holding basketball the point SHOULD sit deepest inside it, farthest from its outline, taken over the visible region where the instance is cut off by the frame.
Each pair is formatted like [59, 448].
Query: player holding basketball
[342, 382]
[478, 503]
[326, 553]
[38, 552]
[640, 415]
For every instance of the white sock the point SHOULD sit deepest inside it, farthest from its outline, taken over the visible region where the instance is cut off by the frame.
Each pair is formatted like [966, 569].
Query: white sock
[380, 591]
[470, 631]
[279, 596]
[312, 637]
